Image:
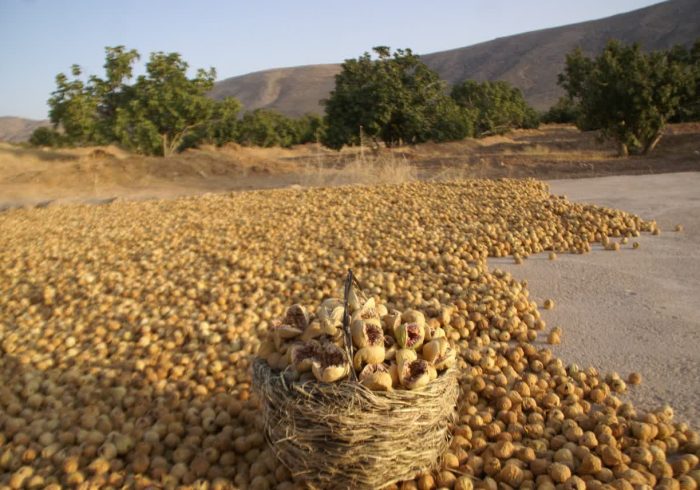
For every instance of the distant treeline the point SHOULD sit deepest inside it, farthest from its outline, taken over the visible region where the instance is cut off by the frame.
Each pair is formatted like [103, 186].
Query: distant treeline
[392, 98]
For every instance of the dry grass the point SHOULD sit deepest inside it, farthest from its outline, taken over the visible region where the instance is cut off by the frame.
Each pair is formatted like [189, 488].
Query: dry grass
[354, 167]
[556, 151]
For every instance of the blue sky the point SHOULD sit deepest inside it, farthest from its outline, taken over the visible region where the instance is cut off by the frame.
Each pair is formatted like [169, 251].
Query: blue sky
[40, 38]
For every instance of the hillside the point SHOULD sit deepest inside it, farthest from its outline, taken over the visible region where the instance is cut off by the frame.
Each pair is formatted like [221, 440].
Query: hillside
[530, 61]
[18, 129]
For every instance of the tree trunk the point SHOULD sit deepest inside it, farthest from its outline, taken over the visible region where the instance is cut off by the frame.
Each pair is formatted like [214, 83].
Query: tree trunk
[623, 151]
[652, 144]
[164, 136]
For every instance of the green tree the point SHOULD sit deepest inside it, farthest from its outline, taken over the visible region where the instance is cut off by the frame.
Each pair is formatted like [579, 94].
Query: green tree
[222, 128]
[309, 128]
[73, 107]
[627, 94]
[162, 112]
[394, 98]
[165, 106]
[266, 128]
[689, 105]
[113, 91]
[565, 110]
[86, 110]
[46, 136]
[495, 106]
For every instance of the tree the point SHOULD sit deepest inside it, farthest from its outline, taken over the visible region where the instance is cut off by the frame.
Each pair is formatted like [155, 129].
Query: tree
[495, 107]
[626, 94]
[394, 98]
[86, 110]
[222, 128]
[45, 136]
[162, 112]
[266, 128]
[73, 107]
[113, 92]
[309, 128]
[165, 106]
[565, 110]
[689, 105]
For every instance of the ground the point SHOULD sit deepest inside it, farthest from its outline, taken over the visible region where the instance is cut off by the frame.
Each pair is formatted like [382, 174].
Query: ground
[126, 326]
[31, 176]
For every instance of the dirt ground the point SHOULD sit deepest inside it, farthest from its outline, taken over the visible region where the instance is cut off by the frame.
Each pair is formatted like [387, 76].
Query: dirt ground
[632, 310]
[35, 176]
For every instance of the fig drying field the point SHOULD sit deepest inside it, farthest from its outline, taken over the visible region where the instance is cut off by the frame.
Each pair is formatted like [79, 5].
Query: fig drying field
[127, 332]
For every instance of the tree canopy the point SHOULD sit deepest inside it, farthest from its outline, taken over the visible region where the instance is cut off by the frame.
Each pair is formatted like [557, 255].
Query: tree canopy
[394, 98]
[495, 107]
[160, 113]
[165, 106]
[689, 105]
[626, 94]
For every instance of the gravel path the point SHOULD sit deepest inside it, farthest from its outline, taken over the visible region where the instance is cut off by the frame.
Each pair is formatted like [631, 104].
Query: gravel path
[632, 310]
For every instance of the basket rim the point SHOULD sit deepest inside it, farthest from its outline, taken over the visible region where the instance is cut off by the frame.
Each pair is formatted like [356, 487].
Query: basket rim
[317, 387]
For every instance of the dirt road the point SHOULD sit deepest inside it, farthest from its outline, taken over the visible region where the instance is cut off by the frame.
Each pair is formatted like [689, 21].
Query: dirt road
[632, 310]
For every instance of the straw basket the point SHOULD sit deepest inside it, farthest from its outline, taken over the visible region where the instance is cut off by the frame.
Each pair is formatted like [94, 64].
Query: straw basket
[343, 435]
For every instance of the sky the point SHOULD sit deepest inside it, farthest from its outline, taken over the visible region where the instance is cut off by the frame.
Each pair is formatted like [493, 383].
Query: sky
[41, 38]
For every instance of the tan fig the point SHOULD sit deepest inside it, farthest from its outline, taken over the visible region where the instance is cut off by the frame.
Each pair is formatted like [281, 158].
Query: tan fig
[432, 332]
[414, 374]
[410, 335]
[405, 355]
[369, 355]
[376, 377]
[266, 348]
[354, 302]
[394, 373]
[511, 475]
[559, 473]
[283, 332]
[297, 317]
[432, 372]
[446, 360]
[366, 334]
[391, 321]
[312, 331]
[331, 309]
[302, 355]
[367, 313]
[390, 348]
[413, 316]
[431, 350]
[330, 364]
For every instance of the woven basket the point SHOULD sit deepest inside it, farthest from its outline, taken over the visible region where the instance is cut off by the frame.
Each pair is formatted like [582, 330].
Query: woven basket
[343, 435]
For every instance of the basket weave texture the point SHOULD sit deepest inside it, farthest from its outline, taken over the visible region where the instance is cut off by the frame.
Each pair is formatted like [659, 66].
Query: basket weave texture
[343, 435]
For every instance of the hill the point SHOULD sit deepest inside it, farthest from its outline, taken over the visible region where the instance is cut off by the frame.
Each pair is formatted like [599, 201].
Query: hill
[530, 61]
[18, 129]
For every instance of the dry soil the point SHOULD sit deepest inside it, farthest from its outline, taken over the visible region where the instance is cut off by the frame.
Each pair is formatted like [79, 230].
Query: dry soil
[632, 310]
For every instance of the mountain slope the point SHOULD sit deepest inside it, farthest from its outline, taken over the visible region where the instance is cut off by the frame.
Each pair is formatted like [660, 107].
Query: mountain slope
[18, 129]
[530, 61]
